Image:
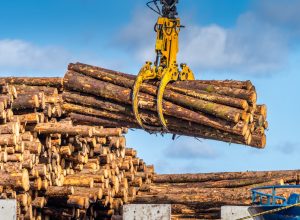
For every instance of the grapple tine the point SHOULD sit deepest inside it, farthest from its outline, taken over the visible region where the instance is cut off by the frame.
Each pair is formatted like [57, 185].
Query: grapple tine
[135, 102]
[167, 77]
[145, 73]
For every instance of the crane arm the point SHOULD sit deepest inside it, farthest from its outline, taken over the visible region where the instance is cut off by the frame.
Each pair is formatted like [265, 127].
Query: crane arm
[165, 67]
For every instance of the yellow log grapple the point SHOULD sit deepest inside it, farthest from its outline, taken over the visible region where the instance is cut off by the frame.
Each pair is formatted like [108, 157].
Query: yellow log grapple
[165, 67]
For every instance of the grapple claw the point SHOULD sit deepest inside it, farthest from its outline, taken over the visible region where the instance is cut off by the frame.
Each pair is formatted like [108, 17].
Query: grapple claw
[135, 101]
[170, 74]
[144, 74]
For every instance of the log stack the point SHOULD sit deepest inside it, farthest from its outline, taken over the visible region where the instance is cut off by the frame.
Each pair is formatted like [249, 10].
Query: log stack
[59, 170]
[213, 109]
[7, 95]
[200, 196]
[63, 152]
[220, 110]
[39, 99]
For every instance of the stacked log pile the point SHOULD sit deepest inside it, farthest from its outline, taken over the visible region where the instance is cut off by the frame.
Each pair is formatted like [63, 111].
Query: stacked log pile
[39, 99]
[7, 95]
[63, 153]
[58, 170]
[200, 196]
[219, 110]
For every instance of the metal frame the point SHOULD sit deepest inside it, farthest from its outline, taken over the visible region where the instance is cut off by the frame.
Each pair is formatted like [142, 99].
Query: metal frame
[271, 198]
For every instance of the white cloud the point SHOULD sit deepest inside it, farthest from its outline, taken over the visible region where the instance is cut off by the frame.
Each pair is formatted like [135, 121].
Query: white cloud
[190, 148]
[205, 46]
[251, 46]
[18, 55]
[138, 37]
[22, 58]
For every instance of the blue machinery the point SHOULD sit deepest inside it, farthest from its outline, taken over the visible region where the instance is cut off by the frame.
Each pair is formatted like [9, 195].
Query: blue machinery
[272, 199]
[270, 206]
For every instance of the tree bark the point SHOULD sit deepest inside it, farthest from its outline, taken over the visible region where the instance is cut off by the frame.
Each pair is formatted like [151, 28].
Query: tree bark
[10, 128]
[33, 81]
[25, 89]
[203, 177]
[250, 96]
[16, 180]
[58, 191]
[222, 111]
[28, 101]
[8, 139]
[62, 128]
[86, 84]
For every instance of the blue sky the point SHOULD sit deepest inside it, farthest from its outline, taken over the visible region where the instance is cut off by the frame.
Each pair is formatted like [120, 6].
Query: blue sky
[233, 39]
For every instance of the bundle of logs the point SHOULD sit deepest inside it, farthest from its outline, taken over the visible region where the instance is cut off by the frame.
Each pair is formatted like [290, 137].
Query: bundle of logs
[211, 109]
[55, 168]
[200, 196]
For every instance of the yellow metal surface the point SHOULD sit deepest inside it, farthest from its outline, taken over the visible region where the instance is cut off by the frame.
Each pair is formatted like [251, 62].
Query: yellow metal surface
[170, 73]
[145, 73]
[165, 68]
[167, 39]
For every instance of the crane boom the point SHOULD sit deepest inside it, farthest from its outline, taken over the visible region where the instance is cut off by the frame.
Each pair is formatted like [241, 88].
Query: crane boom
[165, 67]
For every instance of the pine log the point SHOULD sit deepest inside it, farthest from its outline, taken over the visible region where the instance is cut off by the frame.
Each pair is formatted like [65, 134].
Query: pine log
[121, 94]
[258, 140]
[78, 202]
[82, 182]
[30, 118]
[22, 199]
[58, 191]
[35, 147]
[28, 101]
[198, 187]
[3, 157]
[2, 106]
[186, 178]
[248, 95]
[3, 117]
[123, 80]
[79, 119]
[16, 180]
[25, 89]
[6, 99]
[103, 89]
[33, 81]
[91, 193]
[207, 98]
[63, 128]
[207, 196]
[95, 102]
[27, 136]
[105, 132]
[39, 202]
[230, 83]
[15, 157]
[8, 139]
[72, 108]
[261, 110]
[220, 99]
[10, 128]
[190, 129]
